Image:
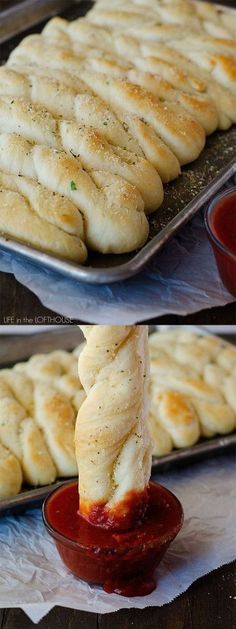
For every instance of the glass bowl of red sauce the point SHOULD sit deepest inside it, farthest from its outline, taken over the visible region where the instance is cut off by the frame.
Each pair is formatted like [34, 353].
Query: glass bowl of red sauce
[220, 221]
[122, 562]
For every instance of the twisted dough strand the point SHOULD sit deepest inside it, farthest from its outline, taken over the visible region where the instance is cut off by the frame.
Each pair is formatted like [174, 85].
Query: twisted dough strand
[36, 124]
[183, 63]
[195, 62]
[108, 228]
[121, 130]
[47, 221]
[20, 435]
[10, 474]
[172, 128]
[112, 441]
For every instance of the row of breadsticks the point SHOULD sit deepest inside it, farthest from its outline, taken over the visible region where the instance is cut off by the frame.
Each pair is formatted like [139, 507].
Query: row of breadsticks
[193, 388]
[96, 114]
[39, 400]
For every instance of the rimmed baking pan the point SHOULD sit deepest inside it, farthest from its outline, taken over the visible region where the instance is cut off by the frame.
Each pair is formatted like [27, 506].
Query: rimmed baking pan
[183, 197]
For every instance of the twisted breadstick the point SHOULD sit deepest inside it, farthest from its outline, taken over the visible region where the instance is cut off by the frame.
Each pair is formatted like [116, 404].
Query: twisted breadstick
[96, 32]
[191, 390]
[20, 434]
[174, 130]
[47, 221]
[182, 70]
[10, 474]
[42, 92]
[55, 416]
[124, 131]
[36, 124]
[184, 136]
[111, 438]
[108, 228]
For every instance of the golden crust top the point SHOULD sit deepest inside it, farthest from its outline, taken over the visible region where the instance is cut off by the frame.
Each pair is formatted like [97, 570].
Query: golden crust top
[192, 382]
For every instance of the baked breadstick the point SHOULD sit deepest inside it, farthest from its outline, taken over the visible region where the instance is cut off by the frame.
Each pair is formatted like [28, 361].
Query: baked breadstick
[202, 84]
[178, 417]
[120, 95]
[229, 393]
[21, 436]
[214, 375]
[221, 67]
[55, 416]
[33, 230]
[58, 368]
[226, 358]
[115, 229]
[161, 440]
[11, 416]
[128, 46]
[197, 105]
[196, 372]
[214, 418]
[10, 474]
[37, 125]
[21, 386]
[37, 464]
[184, 136]
[121, 130]
[52, 95]
[47, 205]
[112, 443]
[50, 367]
[97, 154]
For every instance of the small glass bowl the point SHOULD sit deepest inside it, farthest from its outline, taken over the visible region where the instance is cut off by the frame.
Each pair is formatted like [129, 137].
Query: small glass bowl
[122, 562]
[225, 258]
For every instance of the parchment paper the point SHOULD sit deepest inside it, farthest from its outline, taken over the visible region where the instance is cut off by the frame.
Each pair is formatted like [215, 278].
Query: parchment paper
[33, 577]
[182, 279]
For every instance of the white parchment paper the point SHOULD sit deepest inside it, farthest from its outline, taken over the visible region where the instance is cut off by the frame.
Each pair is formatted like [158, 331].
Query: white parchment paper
[33, 577]
[181, 280]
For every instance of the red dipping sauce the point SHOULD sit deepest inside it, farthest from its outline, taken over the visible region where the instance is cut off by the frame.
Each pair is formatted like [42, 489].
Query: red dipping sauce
[121, 561]
[220, 221]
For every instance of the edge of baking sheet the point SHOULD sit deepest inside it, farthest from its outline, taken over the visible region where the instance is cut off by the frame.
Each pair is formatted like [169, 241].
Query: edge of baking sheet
[20, 17]
[93, 275]
[194, 453]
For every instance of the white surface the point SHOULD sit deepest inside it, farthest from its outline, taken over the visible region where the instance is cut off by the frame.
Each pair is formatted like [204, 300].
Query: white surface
[33, 577]
[182, 279]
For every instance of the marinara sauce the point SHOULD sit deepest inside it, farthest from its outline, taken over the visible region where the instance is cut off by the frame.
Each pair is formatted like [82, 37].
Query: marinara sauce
[121, 561]
[221, 226]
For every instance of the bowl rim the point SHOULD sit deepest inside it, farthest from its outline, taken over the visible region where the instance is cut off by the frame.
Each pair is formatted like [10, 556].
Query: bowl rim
[73, 544]
[207, 214]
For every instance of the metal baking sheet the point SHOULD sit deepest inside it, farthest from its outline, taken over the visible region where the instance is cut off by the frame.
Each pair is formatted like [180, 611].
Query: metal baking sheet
[202, 450]
[28, 499]
[183, 197]
[33, 498]
[13, 348]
